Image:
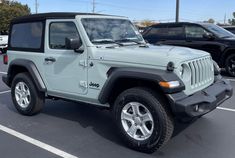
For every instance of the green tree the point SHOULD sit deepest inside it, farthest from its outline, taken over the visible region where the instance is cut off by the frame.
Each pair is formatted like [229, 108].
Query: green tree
[232, 21]
[212, 21]
[10, 10]
[146, 23]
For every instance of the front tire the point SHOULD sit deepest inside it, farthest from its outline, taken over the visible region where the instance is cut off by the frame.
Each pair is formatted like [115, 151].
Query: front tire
[230, 65]
[145, 124]
[26, 97]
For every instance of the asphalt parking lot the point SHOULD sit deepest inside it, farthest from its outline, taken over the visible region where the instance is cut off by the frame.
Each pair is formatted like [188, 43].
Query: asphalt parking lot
[65, 129]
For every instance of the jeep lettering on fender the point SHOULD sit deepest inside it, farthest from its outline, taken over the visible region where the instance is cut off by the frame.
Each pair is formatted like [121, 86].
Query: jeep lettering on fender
[103, 60]
[94, 85]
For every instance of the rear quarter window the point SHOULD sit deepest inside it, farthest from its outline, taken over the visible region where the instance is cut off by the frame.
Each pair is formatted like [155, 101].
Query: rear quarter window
[27, 36]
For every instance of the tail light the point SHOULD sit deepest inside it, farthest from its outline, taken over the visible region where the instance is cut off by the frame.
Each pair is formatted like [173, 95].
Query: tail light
[5, 59]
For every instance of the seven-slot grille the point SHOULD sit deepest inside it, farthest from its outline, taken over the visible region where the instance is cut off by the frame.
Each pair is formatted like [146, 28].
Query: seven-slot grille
[201, 71]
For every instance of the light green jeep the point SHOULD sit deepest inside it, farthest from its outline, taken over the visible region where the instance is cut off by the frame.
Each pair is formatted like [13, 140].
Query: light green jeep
[103, 60]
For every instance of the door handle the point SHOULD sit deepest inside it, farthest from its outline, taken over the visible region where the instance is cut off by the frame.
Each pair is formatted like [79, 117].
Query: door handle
[50, 59]
[189, 41]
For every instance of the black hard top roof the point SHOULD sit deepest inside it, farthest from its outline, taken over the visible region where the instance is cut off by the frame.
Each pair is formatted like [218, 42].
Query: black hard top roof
[52, 15]
[177, 23]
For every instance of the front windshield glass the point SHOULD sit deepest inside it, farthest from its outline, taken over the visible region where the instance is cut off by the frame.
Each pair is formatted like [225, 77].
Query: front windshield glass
[104, 31]
[219, 31]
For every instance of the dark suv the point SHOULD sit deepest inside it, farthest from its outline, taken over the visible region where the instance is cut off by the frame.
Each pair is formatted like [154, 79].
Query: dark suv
[230, 28]
[219, 42]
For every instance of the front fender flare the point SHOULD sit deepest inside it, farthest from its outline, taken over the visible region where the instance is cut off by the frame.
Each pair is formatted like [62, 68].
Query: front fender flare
[114, 74]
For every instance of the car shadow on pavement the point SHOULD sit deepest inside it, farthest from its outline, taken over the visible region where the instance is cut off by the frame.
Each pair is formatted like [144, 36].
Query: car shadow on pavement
[86, 115]
[100, 120]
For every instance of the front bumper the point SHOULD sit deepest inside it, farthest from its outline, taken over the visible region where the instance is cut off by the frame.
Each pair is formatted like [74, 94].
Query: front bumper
[201, 102]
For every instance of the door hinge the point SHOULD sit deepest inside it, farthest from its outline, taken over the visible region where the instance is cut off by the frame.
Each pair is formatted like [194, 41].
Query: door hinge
[83, 63]
[83, 84]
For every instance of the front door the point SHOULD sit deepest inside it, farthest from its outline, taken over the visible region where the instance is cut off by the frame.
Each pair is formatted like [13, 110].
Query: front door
[64, 69]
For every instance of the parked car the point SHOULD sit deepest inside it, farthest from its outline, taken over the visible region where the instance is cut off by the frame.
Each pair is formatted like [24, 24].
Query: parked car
[230, 28]
[3, 42]
[103, 60]
[208, 37]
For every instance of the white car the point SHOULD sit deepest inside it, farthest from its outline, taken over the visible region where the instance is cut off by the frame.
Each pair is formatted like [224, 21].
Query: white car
[3, 43]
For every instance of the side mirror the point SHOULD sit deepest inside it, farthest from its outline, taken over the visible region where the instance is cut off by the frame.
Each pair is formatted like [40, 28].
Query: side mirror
[209, 36]
[74, 43]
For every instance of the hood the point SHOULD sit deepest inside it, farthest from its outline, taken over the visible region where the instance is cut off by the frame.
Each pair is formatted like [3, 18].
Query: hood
[154, 55]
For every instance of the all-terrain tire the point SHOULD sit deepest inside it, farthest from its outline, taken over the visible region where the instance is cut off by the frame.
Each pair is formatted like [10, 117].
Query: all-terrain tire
[23, 85]
[162, 119]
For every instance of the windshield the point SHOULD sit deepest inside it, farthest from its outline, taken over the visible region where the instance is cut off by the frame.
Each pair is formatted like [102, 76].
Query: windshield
[219, 31]
[100, 30]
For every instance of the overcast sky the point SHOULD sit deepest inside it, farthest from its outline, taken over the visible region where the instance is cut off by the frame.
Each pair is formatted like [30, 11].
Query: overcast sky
[160, 10]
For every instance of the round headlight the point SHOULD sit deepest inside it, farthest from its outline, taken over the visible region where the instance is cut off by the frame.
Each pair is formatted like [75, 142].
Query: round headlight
[185, 72]
[181, 70]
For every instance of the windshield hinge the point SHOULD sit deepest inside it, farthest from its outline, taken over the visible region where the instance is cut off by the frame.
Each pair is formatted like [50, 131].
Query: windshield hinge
[83, 63]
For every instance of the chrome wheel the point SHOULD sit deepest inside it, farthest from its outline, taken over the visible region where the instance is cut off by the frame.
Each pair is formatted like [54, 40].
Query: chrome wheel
[137, 121]
[231, 66]
[22, 95]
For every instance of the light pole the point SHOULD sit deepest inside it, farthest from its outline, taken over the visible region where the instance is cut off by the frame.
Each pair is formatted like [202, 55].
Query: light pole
[177, 10]
[36, 6]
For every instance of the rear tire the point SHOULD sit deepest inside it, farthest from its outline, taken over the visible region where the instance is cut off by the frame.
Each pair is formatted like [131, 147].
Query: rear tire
[230, 65]
[26, 97]
[160, 126]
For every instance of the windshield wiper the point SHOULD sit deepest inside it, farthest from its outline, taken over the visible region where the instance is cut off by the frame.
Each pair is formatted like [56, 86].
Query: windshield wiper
[129, 40]
[106, 41]
[142, 44]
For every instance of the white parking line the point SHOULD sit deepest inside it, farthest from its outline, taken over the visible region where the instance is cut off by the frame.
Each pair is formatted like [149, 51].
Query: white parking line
[226, 109]
[37, 143]
[4, 92]
[3, 72]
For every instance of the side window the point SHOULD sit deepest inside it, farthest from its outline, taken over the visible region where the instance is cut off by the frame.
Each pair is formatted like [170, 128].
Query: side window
[27, 35]
[176, 31]
[59, 31]
[194, 32]
[157, 31]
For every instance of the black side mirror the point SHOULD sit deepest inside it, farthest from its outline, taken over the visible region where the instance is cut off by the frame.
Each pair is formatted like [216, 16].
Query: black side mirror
[74, 43]
[209, 36]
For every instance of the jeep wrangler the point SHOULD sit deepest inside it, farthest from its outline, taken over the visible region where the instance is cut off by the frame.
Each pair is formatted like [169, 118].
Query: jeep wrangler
[103, 60]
